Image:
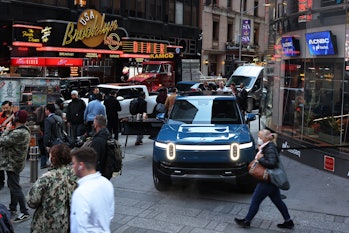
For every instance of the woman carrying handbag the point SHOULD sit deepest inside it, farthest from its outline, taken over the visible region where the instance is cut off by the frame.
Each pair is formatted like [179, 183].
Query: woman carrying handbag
[267, 156]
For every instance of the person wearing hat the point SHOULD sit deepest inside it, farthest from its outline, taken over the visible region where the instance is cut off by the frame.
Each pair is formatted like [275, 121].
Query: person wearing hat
[75, 115]
[14, 145]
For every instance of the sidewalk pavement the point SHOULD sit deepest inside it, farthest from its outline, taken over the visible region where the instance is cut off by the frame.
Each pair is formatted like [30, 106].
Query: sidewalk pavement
[317, 201]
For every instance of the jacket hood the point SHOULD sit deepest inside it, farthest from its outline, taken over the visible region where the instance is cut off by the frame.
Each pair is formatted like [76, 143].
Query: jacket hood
[104, 133]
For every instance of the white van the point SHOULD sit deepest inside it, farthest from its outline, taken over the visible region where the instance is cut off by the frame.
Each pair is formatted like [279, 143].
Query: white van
[252, 78]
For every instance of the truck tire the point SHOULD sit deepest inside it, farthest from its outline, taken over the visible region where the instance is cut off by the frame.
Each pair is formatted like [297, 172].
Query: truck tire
[160, 182]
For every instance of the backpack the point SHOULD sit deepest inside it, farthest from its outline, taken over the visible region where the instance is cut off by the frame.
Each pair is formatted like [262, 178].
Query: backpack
[5, 220]
[62, 136]
[134, 106]
[114, 157]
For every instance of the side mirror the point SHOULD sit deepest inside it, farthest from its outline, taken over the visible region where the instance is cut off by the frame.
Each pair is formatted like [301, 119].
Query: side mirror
[250, 117]
[120, 98]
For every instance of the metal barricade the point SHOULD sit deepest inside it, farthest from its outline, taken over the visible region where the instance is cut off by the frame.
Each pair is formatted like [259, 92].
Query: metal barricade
[34, 155]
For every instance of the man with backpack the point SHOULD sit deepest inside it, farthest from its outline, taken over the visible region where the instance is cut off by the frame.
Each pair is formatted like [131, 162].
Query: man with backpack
[99, 143]
[52, 127]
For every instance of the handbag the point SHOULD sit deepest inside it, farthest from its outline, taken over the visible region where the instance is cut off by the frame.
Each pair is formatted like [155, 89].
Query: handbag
[278, 177]
[258, 171]
[160, 107]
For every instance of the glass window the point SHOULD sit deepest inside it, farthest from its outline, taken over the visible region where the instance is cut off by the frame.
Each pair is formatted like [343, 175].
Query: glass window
[116, 6]
[187, 12]
[141, 12]
[179, 13]
[206, 112]
[130, 7]
[171, 11]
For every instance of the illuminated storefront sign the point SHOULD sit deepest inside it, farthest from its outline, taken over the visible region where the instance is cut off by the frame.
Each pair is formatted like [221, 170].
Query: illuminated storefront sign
[144, 47]
[290, 46]
[91, 29]
[321, 43]
[46, 61]
[90, 35]
[305, 5]
[162, 56]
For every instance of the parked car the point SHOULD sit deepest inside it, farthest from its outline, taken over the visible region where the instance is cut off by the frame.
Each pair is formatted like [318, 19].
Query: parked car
[82, 84]
[200, 86]
[125, 94]
[204, 138]
[184, 86]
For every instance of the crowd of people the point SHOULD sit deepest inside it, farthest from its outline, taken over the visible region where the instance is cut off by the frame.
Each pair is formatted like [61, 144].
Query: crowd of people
[75, 194]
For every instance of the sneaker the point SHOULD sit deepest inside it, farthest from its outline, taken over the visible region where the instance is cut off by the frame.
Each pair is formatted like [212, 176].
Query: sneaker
[21, 217]
[242, 222]
[138, 143]
[287, 224]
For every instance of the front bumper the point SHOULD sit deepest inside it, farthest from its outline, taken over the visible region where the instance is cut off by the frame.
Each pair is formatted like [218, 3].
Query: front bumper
[207, 172]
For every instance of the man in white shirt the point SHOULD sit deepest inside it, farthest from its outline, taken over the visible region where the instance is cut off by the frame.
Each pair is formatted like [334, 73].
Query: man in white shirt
[92, 205]
[221, 87]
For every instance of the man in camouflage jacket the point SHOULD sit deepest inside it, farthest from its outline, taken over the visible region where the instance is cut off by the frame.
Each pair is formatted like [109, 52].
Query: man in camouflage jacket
[14, 144]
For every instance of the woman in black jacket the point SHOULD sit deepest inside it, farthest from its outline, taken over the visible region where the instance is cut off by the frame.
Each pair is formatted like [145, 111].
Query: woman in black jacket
[268, 158]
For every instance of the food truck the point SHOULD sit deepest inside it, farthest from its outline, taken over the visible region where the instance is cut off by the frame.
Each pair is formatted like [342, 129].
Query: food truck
[28, 93]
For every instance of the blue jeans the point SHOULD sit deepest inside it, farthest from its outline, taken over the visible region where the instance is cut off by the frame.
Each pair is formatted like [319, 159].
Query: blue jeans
[262, 191]
[17, 196]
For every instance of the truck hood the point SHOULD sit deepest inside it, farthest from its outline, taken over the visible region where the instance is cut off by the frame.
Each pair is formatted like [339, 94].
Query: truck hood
[140, 77]
[204, 134]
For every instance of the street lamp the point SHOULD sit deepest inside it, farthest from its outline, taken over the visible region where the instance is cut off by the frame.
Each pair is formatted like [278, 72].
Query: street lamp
[241, 14]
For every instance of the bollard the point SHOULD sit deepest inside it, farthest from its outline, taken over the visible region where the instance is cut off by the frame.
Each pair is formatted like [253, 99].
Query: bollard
[34, 154]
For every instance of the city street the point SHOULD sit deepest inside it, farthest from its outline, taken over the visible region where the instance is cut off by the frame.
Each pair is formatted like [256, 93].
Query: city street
[317, 201]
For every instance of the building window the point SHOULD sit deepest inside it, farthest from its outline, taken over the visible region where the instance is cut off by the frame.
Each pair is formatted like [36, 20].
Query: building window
[179, 12]
[187, 12]
[116, 7]
[230, 32]
[171, 11]
[215, 31]
[194, 15]
[140, 9]
[130, 7]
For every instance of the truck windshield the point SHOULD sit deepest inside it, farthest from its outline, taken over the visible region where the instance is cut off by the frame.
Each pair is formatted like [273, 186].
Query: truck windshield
[151, 68]
[199, 111]
[247, 81]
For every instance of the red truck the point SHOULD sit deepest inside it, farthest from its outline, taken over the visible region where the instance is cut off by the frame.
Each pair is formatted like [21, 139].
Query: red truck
[155, 74]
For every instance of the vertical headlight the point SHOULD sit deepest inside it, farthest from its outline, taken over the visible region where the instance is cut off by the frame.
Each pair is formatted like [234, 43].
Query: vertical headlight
[171, 151]
[234, 151]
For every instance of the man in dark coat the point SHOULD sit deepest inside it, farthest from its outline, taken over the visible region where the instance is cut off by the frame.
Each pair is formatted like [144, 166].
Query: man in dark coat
[243, 98]
[99, 143]
[75, 115]
[141, 109]
[112, 107]
[51, 129]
